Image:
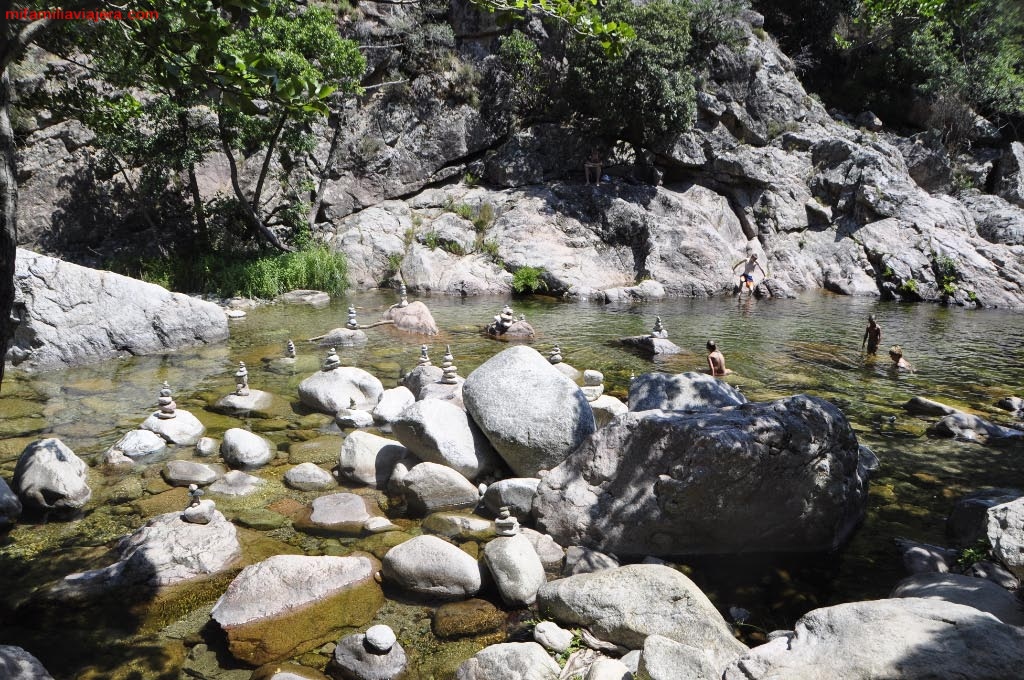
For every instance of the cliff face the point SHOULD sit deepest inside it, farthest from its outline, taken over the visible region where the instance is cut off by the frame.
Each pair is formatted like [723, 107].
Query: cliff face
[829, 202]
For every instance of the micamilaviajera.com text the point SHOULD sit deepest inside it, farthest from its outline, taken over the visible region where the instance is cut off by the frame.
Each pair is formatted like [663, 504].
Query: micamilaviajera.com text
[59, 14]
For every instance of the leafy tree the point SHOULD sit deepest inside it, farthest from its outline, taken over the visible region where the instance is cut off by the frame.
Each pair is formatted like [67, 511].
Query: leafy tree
[647, 89]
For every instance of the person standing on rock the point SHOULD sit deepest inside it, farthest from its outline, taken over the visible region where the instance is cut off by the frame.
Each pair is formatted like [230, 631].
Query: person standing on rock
[747, 277]
[592, 166]
[716, 360]
[872, 336]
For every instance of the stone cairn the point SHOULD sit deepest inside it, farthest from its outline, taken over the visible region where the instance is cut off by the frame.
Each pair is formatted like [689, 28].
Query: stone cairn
[352, 323]
[450, 370]
[659, 330]
[505, 524]
[424, 359]
[167, 405]
[289, 350]
[242, 380]
[195, 495]
[504, 320]
[405, 296]
[332, 361]
[555, 355]
[593, 384]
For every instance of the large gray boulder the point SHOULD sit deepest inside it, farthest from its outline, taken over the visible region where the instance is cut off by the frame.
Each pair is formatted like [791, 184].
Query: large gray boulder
[516, 568]
[289, 604]
[430, 566]
[682, 392]
[509, 661]
[49, 476]
[786, 475]
[17, 664]
[516, 493]
[1006, 534]
[974, 592]
[431, 487]
[968, 520]
[440, 432]
[337, 389]
[532, 414]
[626, 605]
[369, 459]
[71, 315]
[906, 638]
[167, 550]
[665, 659]
[392, 403]
[413, 318]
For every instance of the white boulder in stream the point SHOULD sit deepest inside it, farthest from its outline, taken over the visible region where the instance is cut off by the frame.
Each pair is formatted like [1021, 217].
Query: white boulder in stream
[344, 387]
[139, 443]
[392, 403]
[166, 551]
[74, 315]
[685, 391]
[516, 568]
[509, 661]
[49, 476]
[532, 414]
[906, 638]
[289, 604]
[309, 477]
[369, 459]
[440, 432]
[242, 449]
[432, 567]
[786, 475]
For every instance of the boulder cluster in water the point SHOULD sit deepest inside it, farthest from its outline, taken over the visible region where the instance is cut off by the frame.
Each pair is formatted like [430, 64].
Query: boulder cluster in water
[577, 499]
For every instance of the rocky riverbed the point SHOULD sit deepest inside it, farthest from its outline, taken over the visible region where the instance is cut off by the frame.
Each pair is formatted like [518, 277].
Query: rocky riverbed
[310, 501]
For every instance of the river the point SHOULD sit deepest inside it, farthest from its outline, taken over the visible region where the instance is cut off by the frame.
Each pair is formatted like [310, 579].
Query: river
[965, 358]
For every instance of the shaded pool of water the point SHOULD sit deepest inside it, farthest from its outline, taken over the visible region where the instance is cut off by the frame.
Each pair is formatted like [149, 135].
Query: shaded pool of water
[967, 358]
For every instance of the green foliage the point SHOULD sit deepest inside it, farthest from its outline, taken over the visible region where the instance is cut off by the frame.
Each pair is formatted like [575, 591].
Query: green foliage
[647, 89]
[452, 247]
[909, 287]
[972, 296]
[574, 646]
[490, 248]
[579, 15]
[528, 280]
[976, 553]
[394, 263]
[521, 63]
[228, 275]
[432, 239]
[484, 217]
[946, 274]
[470, 180]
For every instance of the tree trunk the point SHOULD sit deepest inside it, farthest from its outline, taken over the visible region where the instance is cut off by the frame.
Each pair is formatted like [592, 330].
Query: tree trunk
[248, 213]
[8, 216]
[325, 173]
[271, 146]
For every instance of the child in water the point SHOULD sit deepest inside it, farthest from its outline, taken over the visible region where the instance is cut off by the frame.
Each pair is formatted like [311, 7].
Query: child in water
[716, 361]
[898, 362]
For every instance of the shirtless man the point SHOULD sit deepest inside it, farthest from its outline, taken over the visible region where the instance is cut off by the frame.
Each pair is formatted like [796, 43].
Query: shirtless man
[747, 277]
[872, 336]
[716, 362]
[898, 362]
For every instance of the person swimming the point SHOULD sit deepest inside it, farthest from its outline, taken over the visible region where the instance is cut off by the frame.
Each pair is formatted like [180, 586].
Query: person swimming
[716, 361]
[898, 362]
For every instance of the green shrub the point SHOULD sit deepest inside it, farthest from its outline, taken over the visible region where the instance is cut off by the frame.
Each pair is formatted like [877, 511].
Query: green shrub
[431, 239]
[529, 280]
[470, 180]
[909, 287]
[264, 276]
[484, 217]
[490, 248]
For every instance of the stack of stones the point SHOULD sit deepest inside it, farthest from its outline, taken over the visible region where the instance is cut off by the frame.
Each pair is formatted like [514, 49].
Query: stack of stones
[505, 524]
[450, 374]
[167, 405]
[374, 654]
[332, 361]
[593, 386]
[504, 320]
[289, 351]
[242, 380]
[555, 355]
[659, 330]
[352, 323]
[424, 359]
[405, 297]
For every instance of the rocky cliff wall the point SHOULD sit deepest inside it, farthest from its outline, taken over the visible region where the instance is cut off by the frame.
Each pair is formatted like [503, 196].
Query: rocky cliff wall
[831, 202]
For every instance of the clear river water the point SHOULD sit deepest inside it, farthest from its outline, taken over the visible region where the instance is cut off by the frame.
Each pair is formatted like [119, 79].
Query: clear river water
[965, 358]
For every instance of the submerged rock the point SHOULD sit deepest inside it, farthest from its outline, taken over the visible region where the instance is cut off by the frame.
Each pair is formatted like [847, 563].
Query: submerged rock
[290, 604]
[786, 475]
[972, 428]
